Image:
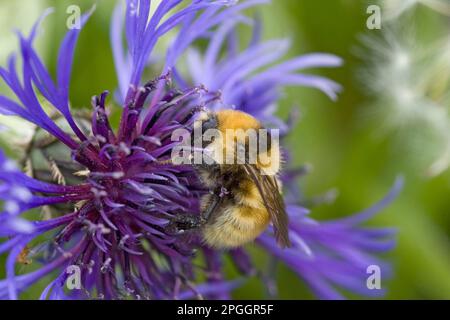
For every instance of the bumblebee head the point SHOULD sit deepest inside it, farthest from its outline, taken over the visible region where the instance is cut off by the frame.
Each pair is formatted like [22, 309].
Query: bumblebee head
[235, 137]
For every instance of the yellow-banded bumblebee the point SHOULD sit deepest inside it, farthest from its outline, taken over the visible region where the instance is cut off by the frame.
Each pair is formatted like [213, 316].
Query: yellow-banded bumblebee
[245, 196]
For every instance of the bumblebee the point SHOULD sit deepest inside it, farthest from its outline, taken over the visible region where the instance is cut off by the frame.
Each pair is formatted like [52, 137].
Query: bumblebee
[244, 196]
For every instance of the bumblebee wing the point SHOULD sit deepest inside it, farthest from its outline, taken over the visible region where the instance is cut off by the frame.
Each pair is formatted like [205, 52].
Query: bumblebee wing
[268, 188]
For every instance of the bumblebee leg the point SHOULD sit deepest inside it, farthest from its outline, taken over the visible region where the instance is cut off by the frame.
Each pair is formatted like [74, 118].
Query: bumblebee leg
[216, 200]
[184, 222]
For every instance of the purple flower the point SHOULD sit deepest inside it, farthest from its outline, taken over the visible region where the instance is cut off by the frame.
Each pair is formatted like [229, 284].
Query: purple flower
[111, 223]
[336, 253]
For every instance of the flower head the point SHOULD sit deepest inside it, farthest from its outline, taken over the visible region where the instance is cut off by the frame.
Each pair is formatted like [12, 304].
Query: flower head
[395, 8]
[109, 220]
[408, 77]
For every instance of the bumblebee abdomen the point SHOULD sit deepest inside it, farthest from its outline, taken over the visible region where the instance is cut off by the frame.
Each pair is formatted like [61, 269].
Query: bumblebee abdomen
[236, 226]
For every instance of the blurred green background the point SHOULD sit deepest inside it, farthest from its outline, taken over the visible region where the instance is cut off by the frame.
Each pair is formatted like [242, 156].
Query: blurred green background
[340, 139]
